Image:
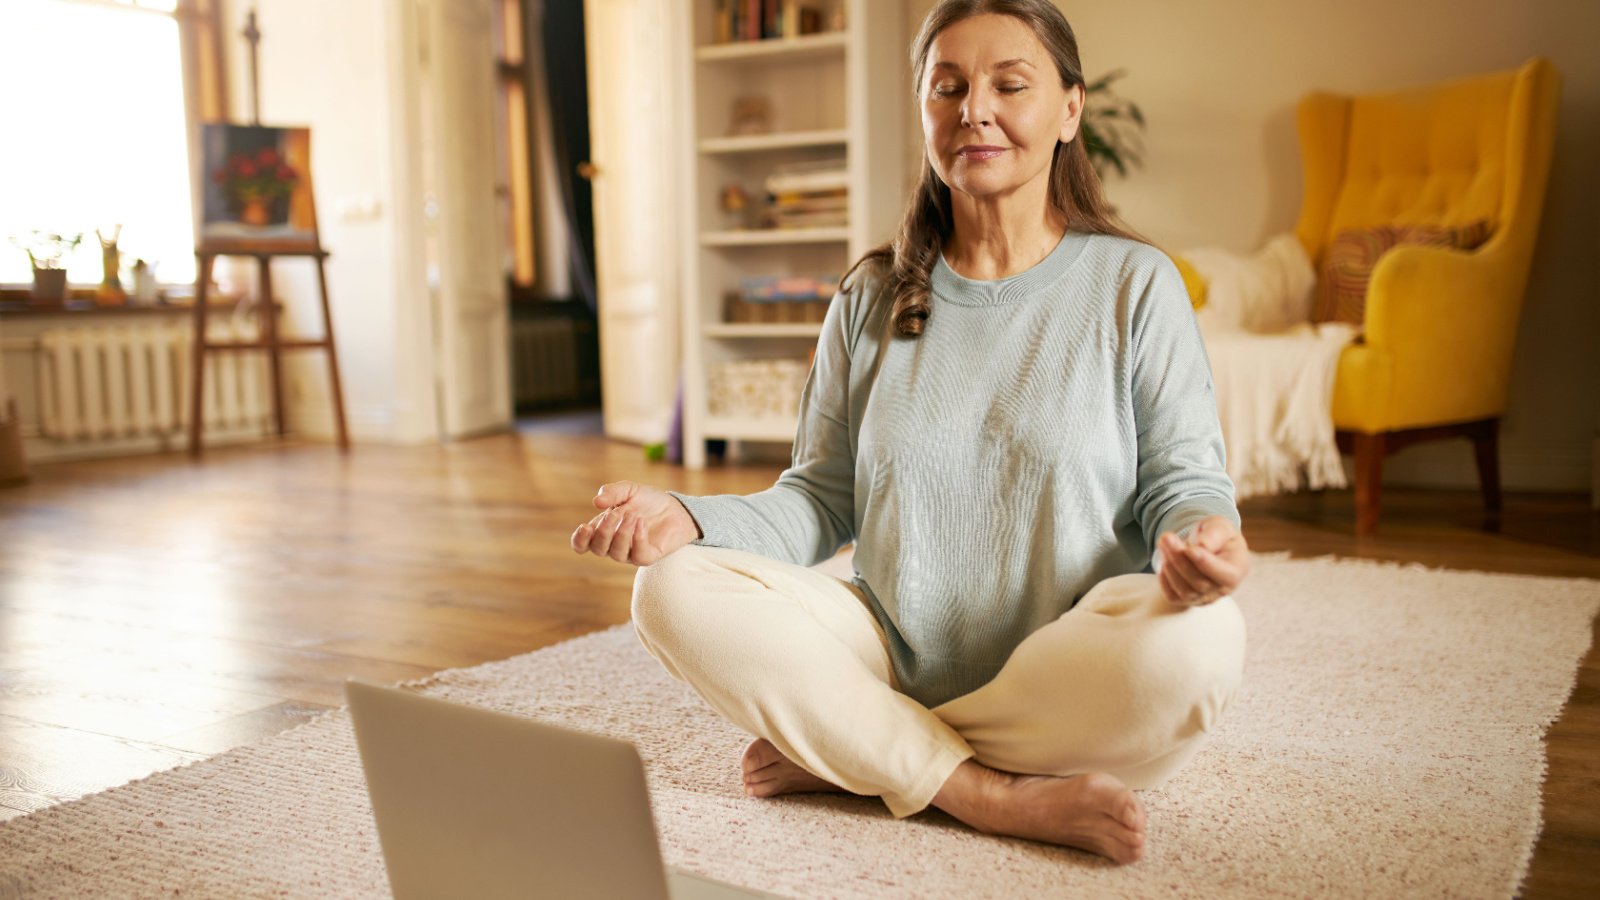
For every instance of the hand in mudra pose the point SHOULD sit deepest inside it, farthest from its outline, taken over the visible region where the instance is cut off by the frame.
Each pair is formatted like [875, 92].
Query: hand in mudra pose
[636, 524]
[1210, 566]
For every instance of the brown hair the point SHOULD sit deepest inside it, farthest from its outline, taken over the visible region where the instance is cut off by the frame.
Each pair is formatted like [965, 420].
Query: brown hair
[904, 266]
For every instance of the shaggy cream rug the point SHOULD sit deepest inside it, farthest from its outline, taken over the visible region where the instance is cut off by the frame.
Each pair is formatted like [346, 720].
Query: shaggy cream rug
[1387, 743]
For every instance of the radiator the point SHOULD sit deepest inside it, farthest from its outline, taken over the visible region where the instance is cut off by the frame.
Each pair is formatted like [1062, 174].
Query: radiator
[133, 381]
[544, 361]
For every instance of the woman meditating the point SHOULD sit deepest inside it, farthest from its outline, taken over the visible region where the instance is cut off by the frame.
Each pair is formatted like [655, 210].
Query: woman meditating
[1011, 415]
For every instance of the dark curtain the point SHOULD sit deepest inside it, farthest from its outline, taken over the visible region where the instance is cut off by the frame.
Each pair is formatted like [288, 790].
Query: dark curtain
[567, 80]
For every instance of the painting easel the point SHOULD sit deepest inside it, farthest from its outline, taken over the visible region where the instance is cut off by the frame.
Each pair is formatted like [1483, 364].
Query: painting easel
[268, 339]
[264, 249]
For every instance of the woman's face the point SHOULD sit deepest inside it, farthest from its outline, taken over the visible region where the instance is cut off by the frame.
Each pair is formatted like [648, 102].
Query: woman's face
[993, 106]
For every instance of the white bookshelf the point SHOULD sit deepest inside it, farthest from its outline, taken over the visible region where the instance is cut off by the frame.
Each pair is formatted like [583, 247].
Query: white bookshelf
[757, 429]
[774, 237]
[757, 143]
[837, 94]
[810, 330]
[829, 43]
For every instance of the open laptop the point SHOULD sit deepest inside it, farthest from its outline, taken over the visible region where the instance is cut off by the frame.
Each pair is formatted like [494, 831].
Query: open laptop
[474, 803]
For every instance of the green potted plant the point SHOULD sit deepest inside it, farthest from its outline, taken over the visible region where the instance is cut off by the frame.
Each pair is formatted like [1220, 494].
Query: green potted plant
[48, 253]
[1111, 127]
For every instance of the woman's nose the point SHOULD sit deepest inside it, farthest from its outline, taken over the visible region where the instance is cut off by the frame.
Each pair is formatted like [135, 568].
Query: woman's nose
[978, 109]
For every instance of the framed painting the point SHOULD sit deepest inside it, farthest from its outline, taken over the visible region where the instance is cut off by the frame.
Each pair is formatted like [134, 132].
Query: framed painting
[256, 189]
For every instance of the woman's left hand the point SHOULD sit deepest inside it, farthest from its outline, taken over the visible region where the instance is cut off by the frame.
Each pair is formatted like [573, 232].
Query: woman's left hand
[1206, 569]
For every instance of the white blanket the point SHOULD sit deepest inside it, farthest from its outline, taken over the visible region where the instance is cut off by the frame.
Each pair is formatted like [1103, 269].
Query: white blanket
[1272, 367]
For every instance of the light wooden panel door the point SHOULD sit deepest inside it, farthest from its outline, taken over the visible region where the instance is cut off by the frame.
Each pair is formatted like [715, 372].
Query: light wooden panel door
[633, 117]
[466, 278]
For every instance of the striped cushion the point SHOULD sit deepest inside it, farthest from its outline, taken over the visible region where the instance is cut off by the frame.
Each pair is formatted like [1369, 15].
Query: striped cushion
[1347, 264]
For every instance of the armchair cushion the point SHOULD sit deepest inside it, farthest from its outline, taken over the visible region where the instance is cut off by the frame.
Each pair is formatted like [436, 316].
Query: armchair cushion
[1351, 256]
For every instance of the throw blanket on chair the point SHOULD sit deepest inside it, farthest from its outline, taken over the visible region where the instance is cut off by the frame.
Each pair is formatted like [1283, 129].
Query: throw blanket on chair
[1272, 367]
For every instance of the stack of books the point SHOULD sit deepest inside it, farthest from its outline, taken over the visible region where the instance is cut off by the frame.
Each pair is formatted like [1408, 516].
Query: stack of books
[809, 195]
[793, 298]
[755, 20]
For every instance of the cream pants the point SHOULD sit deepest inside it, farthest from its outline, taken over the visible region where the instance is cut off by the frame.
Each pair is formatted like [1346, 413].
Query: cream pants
[1124, 683]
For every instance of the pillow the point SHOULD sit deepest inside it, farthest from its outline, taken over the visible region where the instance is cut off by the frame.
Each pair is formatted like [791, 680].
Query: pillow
[1347, 265]
[1265, 291]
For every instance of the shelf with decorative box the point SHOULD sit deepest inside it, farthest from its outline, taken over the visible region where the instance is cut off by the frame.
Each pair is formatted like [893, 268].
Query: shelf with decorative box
[797, 169]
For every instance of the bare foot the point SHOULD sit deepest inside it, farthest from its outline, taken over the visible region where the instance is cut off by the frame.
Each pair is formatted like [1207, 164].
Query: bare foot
[1091, 812]
[768, 773]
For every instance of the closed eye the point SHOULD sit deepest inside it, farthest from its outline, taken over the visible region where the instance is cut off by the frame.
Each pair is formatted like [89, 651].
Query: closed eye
[939, 92]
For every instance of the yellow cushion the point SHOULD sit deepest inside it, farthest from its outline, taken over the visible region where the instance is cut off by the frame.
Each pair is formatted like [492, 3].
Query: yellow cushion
[1193, 281]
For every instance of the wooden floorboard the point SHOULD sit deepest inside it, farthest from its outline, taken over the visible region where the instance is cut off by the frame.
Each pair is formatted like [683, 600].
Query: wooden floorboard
[155, 610]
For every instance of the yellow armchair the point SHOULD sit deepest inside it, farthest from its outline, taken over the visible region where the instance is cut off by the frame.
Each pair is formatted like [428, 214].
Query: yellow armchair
[1440, 324]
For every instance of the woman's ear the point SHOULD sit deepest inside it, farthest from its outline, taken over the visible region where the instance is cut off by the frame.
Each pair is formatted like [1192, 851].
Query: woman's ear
[1074, 110]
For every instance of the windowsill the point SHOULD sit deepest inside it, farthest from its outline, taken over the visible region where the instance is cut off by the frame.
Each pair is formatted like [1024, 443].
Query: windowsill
[14, 290]
[16, 300]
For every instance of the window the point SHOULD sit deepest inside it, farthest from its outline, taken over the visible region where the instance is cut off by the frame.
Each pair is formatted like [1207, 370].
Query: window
[97, 130]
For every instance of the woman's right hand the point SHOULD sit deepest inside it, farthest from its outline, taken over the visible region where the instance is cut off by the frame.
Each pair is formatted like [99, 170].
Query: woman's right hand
[636, 524]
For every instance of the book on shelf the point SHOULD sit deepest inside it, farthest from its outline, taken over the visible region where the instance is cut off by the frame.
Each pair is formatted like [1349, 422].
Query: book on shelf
[780, 288]
[739, 311]
[755, 20]
[781, 299]
[812, 201]
[781, 220]
[810, 194]
[808, 177]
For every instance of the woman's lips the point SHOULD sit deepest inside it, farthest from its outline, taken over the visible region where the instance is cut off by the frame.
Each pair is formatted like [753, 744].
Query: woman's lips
[980, 152]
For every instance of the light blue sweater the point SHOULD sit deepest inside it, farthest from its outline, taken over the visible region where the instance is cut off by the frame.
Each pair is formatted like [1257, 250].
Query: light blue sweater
[1035, 440]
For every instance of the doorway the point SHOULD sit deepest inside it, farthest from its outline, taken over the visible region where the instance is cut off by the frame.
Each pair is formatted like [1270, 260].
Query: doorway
[547, 210]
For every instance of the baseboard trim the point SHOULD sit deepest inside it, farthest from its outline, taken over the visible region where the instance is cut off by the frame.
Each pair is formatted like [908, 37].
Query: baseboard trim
[1449, 465]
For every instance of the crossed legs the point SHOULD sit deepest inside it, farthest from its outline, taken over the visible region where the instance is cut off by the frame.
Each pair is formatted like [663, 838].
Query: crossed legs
[1115, 695]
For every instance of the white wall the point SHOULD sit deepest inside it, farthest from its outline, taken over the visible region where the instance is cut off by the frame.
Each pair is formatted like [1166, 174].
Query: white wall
[1218, 82]
[346, 70]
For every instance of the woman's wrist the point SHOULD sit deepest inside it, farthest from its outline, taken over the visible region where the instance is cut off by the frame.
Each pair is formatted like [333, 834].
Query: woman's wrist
[691, 525]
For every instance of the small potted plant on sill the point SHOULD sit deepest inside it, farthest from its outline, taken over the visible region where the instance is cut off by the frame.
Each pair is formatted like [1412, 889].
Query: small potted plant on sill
[48, 254]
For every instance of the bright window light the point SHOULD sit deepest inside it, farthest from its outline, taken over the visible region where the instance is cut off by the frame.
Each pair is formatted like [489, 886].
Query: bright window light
[96, 134]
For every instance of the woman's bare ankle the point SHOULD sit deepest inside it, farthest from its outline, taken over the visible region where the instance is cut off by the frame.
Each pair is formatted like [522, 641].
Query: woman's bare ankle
[1094, 812]
[970, 792]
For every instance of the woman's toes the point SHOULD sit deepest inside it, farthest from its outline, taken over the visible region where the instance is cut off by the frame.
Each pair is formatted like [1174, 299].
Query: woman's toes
[766, 772]
[1126, 853]
[1132, 814]
[759, 755]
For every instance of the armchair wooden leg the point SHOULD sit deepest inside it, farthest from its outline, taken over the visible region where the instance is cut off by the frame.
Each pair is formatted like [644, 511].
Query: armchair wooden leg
[1486, 445]
[1369, 450]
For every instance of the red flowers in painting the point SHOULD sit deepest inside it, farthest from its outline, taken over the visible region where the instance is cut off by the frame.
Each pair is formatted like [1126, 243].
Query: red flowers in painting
[253, 179]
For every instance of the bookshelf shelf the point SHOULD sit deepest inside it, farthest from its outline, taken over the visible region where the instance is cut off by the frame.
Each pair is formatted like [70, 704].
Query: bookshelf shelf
[766, 429]
[835, 109]
[758, 237]
[760, 330]
[827, 43]
[756, 143]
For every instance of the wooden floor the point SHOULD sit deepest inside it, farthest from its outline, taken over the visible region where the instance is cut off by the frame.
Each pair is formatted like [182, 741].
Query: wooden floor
[154, 610]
